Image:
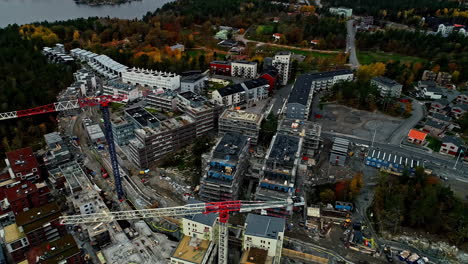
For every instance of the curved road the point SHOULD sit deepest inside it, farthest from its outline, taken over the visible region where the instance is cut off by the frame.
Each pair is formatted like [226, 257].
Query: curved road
[416, 116]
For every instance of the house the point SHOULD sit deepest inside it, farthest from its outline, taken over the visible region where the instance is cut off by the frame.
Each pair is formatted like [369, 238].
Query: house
[429, 76]
[341, 11]
[434, 128]
[228, 43]
[387, 87]
[222, 34]
[277, 36]
[462, 97]
[451, 145]
[430, 90]
[416, 137]
[263, 234]
[439, 106]
[314, 42]
[458, 110]
[443, 78]
[23, 165]
[440, 118]
[179, 47]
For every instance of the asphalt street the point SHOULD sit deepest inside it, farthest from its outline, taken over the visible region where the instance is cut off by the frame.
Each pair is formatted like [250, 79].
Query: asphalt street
[400, 133]
[281, 96]
[350, 44]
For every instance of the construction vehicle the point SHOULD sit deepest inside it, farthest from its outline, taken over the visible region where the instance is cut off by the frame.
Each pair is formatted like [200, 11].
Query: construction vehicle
[221, 208]
[103, 101]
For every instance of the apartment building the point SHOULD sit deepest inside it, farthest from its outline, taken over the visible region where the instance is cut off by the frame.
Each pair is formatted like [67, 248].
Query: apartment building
[63, 250]
[141, 118]
[244, 69]
[387, 87]
[16, 243]
[224, 170]
[153, 144]
[23, 165]
[107, 66]
[164, 100]
[57, 54]
[220, 67]
[282, 63]
[57, 150]
[242, 93]
[22, 196]
[193, 83]
[310, 131]
[115, 87]
[122, 130]
[280, 171]
[87, 81]
[243, 122]
[83, 55]
[151, 78]
[204, 113]
[326, 80]
[41, 224]
[197, 245]
[263, 239]
[341, 11]
[300, 98]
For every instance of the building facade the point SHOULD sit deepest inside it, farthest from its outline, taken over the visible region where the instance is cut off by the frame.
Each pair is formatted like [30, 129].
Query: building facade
[193, 83]
[244, 69]
[387, 87]
[326, 80]
[115, 87]
[243, 122]
[152, 79]
[247, 92]
[224, 169]
[220, 67]
[300, 98]
[282, 63]
[165, 100]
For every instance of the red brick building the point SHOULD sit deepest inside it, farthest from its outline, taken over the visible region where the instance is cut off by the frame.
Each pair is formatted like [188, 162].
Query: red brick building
[41, 224]
[220, 67]
[272, 77]
[23, 165]
[26, 195]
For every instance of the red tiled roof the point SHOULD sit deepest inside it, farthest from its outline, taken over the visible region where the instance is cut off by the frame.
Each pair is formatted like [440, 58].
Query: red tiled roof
[22, 159]
[416, 134]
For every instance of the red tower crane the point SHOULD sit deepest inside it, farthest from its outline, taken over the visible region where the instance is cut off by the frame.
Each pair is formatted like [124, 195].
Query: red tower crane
[103, 101]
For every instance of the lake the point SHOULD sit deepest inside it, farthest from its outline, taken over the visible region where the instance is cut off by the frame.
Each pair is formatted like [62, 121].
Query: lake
[28, 11]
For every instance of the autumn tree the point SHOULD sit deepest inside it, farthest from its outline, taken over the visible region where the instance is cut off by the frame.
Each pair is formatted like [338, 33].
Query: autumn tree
[327, 196]
[367, 72]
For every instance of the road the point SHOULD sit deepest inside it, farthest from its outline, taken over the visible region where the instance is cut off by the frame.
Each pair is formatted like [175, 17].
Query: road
[350, 44]
[280, 96]
[402, 131]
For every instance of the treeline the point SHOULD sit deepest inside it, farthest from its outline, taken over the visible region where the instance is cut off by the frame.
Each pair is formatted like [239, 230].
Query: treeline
[420, 202]
[450, 54]
[26, 81]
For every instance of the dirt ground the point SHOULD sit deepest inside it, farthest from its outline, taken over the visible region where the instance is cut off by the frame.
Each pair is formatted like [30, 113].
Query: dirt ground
[343, 119]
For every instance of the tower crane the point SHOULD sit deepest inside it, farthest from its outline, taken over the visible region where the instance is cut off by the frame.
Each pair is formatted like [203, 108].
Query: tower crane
[221, 208]
[103, 101]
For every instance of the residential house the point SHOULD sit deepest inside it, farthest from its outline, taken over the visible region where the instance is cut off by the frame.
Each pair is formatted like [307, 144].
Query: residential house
[151, 78]
[194, 83]
[277, 36]
[244, 69]
[429, 76]
[263, 239]
[387, 87]
[440, 118]
[458, 110]
[451, 145]
[462, 97]
[443, 78]
[242, 93]
[179, 47]
[430, 90]
[439, 106]
[417, 137]
[434, 128]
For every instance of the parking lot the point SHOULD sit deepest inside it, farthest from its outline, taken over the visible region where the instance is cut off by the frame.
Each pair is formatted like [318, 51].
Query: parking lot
[363, 124]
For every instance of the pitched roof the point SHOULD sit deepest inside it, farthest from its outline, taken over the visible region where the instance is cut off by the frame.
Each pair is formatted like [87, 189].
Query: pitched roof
[264, 226]
[385, 81]
[416, 134]
[230, 89]
[301, 90]
[440, 116]
[454, 140]
[441, 101]
[434, 124]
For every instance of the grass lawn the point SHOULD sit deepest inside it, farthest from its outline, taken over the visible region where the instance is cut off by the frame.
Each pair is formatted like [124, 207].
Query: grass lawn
[273, 50]
[434, 143]
[367, 57]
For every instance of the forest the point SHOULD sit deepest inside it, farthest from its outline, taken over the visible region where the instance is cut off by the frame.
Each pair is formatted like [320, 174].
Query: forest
[26, 81]
[421, 202]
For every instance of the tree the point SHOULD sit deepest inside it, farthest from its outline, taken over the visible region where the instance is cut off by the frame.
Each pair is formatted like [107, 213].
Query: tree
[367, 72]
[327, 196]
[202, 62]
[76, 35]
[268, 129]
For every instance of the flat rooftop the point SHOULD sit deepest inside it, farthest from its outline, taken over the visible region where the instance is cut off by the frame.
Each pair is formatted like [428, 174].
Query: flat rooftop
[192, 97]
[12, 233]
[37, 217]
[52, 138]
[264, 226]
[22, 159]
[143, 117]
[191, 249]
[120, 85]
[58, 250]
[256, 256]
[284, 149]
[230, 146]
[241, 116]
[193, 78]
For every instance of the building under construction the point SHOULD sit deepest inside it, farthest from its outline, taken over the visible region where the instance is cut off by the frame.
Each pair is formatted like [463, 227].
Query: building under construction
[310, 131]
[224, 168]
[243, 122]
[280, 171]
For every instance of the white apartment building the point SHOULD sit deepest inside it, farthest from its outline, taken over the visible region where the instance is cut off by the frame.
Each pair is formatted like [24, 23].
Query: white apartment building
[244, 69]
[264, 233]
[151, 78]
[282, 63]
[115, 87]
[341, 11]
[242, 93]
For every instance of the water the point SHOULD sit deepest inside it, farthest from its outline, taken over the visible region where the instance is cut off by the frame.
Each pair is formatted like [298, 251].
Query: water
[28, 11]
